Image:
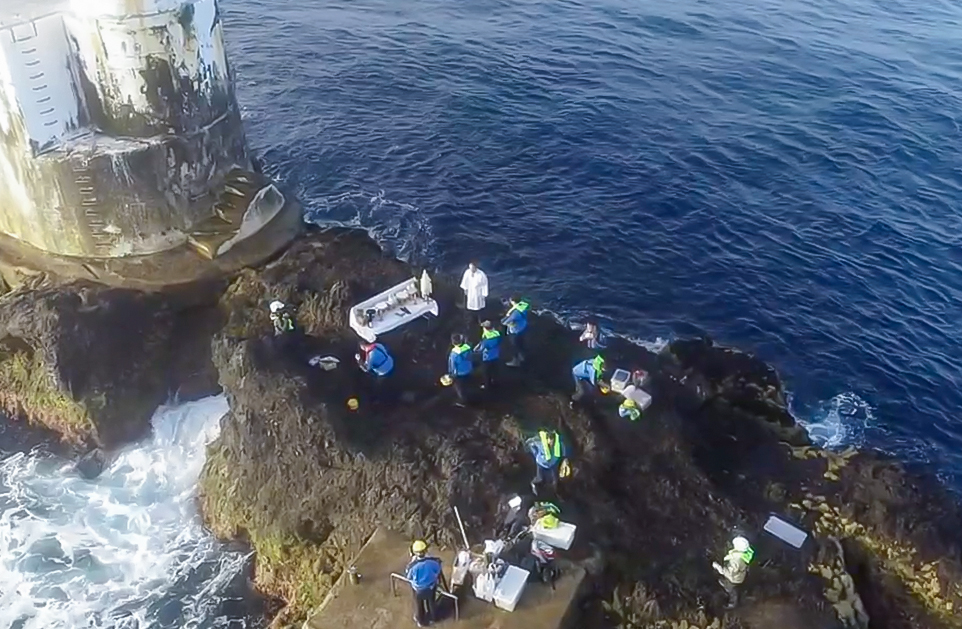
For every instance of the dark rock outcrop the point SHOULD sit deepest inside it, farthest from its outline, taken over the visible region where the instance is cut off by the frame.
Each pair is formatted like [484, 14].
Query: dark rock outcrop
[305, 479]
[92, 363]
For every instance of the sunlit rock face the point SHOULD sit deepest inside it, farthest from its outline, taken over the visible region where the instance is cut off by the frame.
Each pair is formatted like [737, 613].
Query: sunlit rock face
[118, 123]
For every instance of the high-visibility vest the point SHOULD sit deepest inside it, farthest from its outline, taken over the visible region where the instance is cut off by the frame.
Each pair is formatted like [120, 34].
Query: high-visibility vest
[490, 334]
[547, 448]
[745, 556]
[599, 365]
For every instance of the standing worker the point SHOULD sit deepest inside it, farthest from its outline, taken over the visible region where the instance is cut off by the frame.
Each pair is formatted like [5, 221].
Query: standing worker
[516, 321]
[459, 367]
[424, 573]
[550, 457]
[474, 283]
[490, 349]
[587, 376]
[735, 568]
[593, 337]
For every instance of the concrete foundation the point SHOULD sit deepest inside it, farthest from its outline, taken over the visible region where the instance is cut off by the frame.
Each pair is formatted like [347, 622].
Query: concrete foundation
[371, 605]
[120, 131]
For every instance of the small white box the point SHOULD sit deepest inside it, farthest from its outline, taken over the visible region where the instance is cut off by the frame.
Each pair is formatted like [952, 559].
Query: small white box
[641, 398]
[561, 536]
[509, 589]
[619, 380]
[788, 533]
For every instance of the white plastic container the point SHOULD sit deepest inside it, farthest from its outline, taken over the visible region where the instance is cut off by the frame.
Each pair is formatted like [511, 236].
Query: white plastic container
[640, 396]
[788, 533]
[510, 587]
[561, 536]
[620, 380]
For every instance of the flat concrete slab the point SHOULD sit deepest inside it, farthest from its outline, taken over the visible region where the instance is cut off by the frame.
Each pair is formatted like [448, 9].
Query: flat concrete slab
[370, 604]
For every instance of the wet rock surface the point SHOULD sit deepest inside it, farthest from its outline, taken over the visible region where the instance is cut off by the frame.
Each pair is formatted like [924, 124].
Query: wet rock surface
[306, 480]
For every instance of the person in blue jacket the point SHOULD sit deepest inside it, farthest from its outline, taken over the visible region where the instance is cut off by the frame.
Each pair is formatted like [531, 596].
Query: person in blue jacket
[375, 359]
[587, 376]
[490, 350]
[460, 367]
[516, 321]
[424, 573]
[550, 456]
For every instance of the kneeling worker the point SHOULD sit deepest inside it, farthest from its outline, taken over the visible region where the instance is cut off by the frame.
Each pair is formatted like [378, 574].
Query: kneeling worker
[735, 568]
[550, 457]
[587, 376]
[424, 573]
[490, 349]
[460, 366]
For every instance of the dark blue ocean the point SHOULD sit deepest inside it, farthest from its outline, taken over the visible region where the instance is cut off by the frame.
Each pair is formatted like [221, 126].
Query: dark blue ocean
[784, 176]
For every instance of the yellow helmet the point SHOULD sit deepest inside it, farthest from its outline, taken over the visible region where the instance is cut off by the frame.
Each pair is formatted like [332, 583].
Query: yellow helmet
[630, 403]
[418, 547]
[549, 521]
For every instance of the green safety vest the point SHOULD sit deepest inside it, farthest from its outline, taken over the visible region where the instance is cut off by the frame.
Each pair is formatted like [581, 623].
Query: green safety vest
[599, 364]
[746, 556]
[460, 349]
[547, 448]
[521, 306]
[490, 334]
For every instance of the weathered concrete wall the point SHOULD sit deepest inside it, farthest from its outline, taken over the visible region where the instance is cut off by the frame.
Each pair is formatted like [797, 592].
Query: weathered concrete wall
[117, 121]
[152, 67]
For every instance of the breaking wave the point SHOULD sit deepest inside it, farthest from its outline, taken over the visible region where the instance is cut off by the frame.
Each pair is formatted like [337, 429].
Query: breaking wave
[839, 422]
[126, 550]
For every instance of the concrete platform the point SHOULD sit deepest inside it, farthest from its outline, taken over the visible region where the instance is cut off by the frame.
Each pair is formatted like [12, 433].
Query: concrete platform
[370, 604]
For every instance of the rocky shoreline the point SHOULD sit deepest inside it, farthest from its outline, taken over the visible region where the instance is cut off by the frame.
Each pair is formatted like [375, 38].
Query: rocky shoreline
[305, 480]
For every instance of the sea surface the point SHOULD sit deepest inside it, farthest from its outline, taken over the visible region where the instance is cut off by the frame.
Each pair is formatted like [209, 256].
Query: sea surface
[783, 176]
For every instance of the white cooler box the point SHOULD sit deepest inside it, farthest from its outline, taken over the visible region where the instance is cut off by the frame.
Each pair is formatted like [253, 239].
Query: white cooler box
[509, 588]
[640, 396]
[562, 536]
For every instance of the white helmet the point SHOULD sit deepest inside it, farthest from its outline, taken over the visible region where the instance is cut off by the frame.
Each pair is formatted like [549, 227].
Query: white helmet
[276, 306]
[740, 544]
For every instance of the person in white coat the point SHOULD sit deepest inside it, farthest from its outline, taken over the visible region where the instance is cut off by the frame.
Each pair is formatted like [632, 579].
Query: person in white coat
[474, 283]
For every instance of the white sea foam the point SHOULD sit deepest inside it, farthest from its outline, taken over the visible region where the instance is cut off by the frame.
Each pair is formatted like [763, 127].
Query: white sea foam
[398, 227]
[126, 550]
[835, 423]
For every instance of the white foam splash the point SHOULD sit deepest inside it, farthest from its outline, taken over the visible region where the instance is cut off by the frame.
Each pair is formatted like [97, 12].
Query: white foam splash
[398, 227]
[126, 550]
[838, 422]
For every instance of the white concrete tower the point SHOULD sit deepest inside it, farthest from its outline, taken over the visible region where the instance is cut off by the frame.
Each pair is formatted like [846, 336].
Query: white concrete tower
[119, 127]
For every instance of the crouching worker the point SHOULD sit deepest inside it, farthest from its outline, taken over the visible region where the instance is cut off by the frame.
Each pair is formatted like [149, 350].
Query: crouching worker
[285, 332]
[629, 410]
[375, 359]
[459, 367]
[551, 459]
[424, 573]
[735, 568]
[587, 376]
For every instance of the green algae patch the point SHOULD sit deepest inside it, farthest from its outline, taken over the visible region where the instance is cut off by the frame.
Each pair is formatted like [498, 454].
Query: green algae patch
[299, 571]
[28, 391]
